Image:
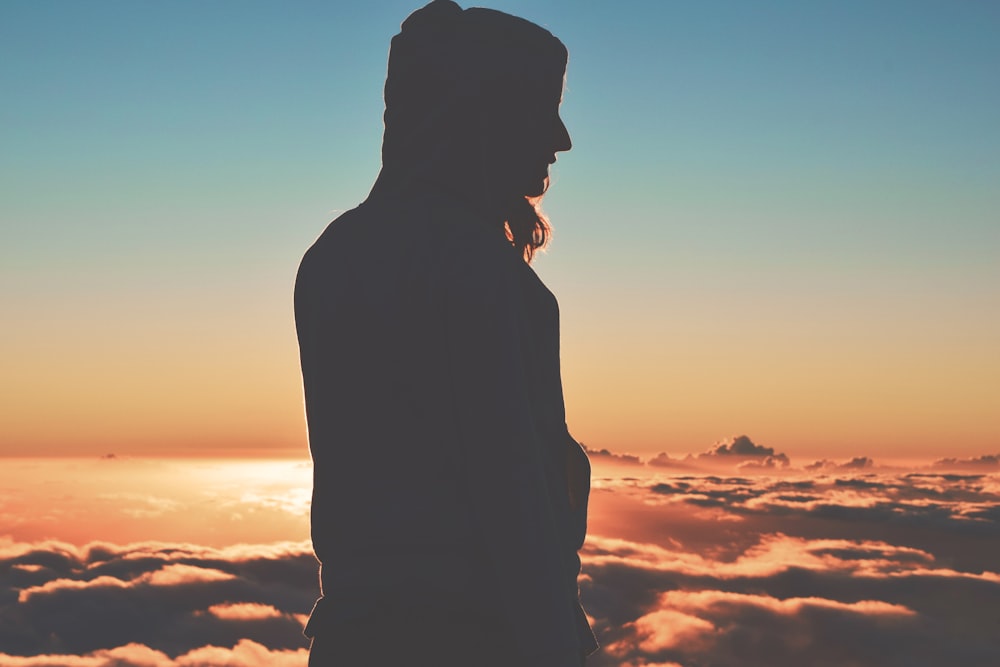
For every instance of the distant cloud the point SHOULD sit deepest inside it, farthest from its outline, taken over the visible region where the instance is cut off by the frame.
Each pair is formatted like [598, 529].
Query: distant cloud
[742, 454]
[244, 611]
[740, 446]
[767, 463]
[610, 456]
[856, 463]
[740, 451]
[986, 461]
[663, 460]
[745, 453]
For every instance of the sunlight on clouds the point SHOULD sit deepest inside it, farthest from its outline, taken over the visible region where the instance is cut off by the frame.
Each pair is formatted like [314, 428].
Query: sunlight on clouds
[245, 653]
[70, 584]
[141, 506]
[204, 501]
[692, 601]
[666, 628]
[699, 623]
[869, 567]
[170, 575]
[294, 501]
[177, 574]
[774, 554]
[243, 611]
[105, 602]
[830, 568]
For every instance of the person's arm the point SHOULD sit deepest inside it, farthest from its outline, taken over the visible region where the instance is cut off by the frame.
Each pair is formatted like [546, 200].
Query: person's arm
[503, 457]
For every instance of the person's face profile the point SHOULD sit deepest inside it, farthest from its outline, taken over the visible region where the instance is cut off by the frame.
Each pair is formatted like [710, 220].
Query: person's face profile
[527, 132]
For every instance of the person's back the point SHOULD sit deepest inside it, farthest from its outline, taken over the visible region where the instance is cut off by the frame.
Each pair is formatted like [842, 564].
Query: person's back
[388, 506]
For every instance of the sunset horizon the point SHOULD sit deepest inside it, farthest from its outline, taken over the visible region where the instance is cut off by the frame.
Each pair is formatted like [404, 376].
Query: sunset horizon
[776, 254]
[697, 460]
[867, 564]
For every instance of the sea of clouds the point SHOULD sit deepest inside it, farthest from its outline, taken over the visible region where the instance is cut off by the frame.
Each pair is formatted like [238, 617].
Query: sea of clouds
[730, 558]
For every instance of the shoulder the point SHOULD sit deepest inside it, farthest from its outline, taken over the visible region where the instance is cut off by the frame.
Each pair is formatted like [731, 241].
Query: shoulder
[338, 248]
[334, 237]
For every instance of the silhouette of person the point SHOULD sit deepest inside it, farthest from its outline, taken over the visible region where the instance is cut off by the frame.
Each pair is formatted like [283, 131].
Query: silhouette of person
[449, 499]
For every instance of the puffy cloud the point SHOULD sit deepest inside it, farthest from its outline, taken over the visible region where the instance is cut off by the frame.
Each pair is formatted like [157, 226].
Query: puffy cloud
[856, 463]
[741, 445]
[851, 567]
[694, 601]
[245, 653]
[750, 457]
[817, 602]
[864, 567]
[774, 554]
[688, 622]
[664, 460]
[986, 461]
[664, 629]
[165, 597]
[130, 655]
[611, 457]
[953, 516]
[767, 463]
[244, 611]
[720, 628]
[738, 451]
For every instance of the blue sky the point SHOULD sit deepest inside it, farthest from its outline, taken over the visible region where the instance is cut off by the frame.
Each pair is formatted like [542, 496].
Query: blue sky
[768, 197]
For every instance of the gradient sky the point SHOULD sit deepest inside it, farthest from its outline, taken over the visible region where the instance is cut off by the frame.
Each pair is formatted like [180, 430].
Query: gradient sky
[778, 218]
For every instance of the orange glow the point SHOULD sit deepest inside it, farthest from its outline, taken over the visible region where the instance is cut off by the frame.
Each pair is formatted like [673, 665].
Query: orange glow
[650, 390]
[243, 611]
[176, 378]
[203, 501]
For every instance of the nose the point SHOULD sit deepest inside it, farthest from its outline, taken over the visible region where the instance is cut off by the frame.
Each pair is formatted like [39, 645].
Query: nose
[562, 140]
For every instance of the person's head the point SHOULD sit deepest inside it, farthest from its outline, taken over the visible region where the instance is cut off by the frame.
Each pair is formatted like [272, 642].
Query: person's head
[472, 105]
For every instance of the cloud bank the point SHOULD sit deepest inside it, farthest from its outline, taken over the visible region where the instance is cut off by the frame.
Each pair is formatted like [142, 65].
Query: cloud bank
[148, 600]
[837, 569]
[845, 565]
[245, 653]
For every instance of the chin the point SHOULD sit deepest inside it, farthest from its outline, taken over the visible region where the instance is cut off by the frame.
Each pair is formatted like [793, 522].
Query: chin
[538, 188]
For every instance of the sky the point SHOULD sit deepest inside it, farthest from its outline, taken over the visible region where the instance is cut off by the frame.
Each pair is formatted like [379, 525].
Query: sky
[778, 219]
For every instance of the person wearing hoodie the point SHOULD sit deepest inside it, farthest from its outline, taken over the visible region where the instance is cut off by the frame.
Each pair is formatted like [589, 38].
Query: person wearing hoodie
[449, 498]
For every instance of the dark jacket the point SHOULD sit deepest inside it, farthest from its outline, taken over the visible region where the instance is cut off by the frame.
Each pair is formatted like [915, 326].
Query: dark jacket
[444, 474]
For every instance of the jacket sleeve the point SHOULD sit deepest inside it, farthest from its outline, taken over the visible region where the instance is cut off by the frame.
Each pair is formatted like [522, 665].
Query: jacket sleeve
[502, 456]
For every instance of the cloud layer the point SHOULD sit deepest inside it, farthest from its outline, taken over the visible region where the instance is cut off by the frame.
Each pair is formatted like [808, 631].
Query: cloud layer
[149, 600]
[245, 653]
[835, 569]
[843, 565]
